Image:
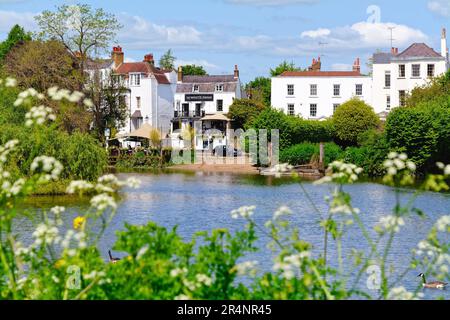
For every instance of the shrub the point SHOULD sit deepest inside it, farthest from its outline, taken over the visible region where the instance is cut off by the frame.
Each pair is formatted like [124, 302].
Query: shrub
[351, 119]
[301, 154]
[244, 111]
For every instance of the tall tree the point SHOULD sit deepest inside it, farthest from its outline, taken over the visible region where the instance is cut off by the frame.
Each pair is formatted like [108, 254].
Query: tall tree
[260, 90]
[167, 61]
[109, 109]
[81, 29]
[193, 70]
[17, 35]
[282, 67]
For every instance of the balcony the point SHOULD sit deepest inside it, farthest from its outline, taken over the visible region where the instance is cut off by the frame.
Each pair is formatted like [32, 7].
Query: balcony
[189, 114]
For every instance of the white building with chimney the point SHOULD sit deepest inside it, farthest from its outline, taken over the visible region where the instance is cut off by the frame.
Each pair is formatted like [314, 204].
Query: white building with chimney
[204, 100]
[316, 94]
[150, 97]
[396, 74]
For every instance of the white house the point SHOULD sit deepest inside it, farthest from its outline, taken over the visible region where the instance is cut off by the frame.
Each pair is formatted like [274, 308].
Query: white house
[150, 90]
[397, 74]
[206, 100]
[315, 94]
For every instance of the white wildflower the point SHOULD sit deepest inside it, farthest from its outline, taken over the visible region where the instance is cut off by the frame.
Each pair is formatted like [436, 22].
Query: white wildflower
[39, 115]
[282, 211]
[204, 279]
[48, 166]
[103, 202]
[247, 268]
[10, 82]
[243, 212]
[443, 224]
[178, 272]
[391, 223]
[79, 186]
[402, 294]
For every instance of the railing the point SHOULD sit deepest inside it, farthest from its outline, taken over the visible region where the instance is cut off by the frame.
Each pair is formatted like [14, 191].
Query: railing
[190, 114]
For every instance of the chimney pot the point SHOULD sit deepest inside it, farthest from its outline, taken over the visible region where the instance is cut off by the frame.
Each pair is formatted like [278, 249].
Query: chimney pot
[180, 74]
[149, 59]
[236, 72]
[117, 56]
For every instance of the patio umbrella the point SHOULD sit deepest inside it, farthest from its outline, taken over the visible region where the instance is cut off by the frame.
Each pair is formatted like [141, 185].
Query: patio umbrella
[143, 132]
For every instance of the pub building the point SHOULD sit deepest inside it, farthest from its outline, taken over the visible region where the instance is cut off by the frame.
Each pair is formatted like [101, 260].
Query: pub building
[205, 100]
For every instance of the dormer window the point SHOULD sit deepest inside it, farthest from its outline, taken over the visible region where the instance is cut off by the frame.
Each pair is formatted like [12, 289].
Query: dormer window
[219, 88]
[135, 79]
[195, 88]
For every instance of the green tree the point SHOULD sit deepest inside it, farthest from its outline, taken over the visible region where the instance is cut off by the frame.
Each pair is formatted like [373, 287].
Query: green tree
[437, 90]
[81, 29]
[193, 70]
[260, 90]
[352, 119]
[167, 61]
[244, 112]
[283, 67]
[16, 36]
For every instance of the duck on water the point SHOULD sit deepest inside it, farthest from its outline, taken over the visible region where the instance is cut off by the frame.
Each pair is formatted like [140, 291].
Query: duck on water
[432, 285]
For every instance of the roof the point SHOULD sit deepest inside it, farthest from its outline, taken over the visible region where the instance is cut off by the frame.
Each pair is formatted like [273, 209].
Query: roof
[137, 114]
[419, 50]
[209, 79]
[206, 87]
[99, 63]
[382, 58]
[145, 68]
[143, 132]
[321, 74]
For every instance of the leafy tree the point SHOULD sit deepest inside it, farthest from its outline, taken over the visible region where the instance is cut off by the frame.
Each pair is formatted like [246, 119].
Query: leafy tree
[283, 67]
[244, 112]
[437, 90]
[352, 119]
[193, 70]
[260, 90]
[167, 61]
[109, 110]
[81, 29]
[42, 65]
[17, 35]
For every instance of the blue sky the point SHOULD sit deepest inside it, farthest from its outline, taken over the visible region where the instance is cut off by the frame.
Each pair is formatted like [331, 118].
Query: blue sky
[258, 34]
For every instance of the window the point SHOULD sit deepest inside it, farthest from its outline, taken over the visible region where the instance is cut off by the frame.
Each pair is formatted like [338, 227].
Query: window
[185, 110]
[387, 79]
[359, 89]
[195, 88]
[430, 70]
[313, 90]
[219, 88]
[135, 79]
[388, 103]
[313, 110]
[416, 70]
[402, 98]
[291, 110]
[138, 102]
[401, 71]
[335, 106]
[198, 109]
[337, 90]
[290, 90]
[219, 105]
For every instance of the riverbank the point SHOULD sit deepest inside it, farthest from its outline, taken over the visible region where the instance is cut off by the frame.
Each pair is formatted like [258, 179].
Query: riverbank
[245, 169]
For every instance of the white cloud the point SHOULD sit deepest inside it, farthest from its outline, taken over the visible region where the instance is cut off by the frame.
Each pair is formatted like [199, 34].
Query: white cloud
[270, 2]
[440, 7]
[197, 62]
[9, 18]
[319, 33]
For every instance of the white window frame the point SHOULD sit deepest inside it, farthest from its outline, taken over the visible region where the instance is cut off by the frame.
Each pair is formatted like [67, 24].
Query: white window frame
[402, 71]
[219, 87]
[336, 89]
[414, 70]
[196, 88]
[291, 109]
[388, 103]
[291, 90]
[359, 90]
[433, 70]
[311, 106]
[335, 106]
[135, 79]
[217, 105]
[387, 76]
[402, 102]
[313, 90]
[138, 102]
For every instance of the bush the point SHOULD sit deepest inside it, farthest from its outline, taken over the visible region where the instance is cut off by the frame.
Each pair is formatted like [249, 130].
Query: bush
[301, 154]
[244, 111]
[351, 119]
[294, 130]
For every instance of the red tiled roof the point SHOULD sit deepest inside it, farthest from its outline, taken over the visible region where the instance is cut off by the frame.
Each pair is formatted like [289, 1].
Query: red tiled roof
[419, 50]
[321, 74]
[143, 67]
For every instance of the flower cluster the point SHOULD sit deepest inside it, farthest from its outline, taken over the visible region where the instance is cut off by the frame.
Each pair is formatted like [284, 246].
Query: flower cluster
[243, 212]
[9, 82]
[389, 224]
[399, 170]
[103, 201]
[281, 212]
[39, 115]
[341, 173]
[402, 294]
[57, 94]
[445, 168]
[443, 224]
[25, 95]
[287, 265]
[49, 167]
[247, 268]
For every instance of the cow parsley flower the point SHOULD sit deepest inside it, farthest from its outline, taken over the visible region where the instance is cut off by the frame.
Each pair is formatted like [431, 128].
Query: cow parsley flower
[48, 166]
[390, 224]
[103, 202]
[39, 115]
[401, 293]
[246, 268]
[243, 212]
[79, 186]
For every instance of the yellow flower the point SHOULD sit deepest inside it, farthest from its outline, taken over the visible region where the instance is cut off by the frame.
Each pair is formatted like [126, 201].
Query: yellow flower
[78, 222]
[60, 263]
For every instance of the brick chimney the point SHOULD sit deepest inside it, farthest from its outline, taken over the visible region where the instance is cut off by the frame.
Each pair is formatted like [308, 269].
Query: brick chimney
[149, 59]
[180, 74]
[117, 56]
[394, 51]
[236, 72]
[357, 66]
[316, 65]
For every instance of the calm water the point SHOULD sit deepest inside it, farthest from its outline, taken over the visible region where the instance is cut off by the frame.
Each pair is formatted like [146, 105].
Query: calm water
[202, 201]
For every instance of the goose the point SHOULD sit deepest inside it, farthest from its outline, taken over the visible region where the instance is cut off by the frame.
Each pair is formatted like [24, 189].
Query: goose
[112, 259]
[432, 285]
